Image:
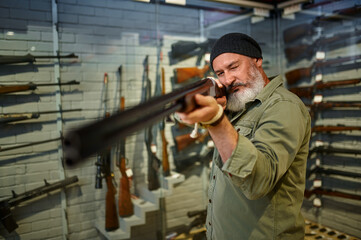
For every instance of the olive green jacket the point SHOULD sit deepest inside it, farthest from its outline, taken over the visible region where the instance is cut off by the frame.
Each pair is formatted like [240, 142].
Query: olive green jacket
[258, 192]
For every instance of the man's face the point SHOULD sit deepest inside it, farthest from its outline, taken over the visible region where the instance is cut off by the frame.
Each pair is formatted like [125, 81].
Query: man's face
[241, 76]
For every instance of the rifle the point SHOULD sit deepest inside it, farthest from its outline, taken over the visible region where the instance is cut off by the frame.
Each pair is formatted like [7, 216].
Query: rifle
[5, 205]
[329, 192]
[14, 117]
[125, 205]
[165, 161]
[29, 144]
[153, 160]
[330, 104]
[308, 91]
[185, 140]
[306, 29]
[82, 142]
[184, 74]
[4, 89]
[5, 59]
[307, 51]
[295, 75]
[324, 149]
[337, 128]
[329, 171]
[185, 49]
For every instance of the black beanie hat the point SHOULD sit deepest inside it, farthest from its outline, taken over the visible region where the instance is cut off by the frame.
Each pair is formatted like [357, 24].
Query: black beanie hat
[236, 43]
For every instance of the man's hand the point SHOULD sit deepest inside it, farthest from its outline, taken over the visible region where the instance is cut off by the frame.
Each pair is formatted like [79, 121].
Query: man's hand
[207, 108]
[222, 100]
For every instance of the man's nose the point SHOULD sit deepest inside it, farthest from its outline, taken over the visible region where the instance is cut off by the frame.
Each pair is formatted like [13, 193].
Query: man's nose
[229, 79]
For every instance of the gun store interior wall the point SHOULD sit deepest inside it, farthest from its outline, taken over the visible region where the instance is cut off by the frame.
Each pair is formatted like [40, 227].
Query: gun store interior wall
[100, 54]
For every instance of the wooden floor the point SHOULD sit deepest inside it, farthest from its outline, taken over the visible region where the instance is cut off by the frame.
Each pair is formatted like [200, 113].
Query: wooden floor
[317, 231]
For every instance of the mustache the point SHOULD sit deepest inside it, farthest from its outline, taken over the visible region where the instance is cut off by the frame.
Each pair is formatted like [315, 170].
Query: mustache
[233, 85]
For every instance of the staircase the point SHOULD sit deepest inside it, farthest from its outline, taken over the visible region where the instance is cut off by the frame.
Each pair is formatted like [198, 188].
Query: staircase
[148, 201]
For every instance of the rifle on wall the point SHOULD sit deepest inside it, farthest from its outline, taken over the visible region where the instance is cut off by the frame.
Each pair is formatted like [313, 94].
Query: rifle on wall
[338, 128]
[29, 144]
[165, 160]
[81, 143]
[329, 192]
[182, 75]
[185, 140]
[6, 205]
[28, 58]
[308, 91]
[328, 149]
[14, 117]
[295, 75]
[316, 107]
[308, 51]
[182, 50]
[153, 160]
[330, 171]
[125, 205]
[4, 89]
[306, 29]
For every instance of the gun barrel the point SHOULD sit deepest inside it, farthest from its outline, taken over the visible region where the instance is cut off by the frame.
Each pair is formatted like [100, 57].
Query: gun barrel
[89, 139]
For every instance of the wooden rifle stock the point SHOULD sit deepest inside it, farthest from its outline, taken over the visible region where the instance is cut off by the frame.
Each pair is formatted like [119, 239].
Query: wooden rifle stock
[184, 74]
[335, 128]
[111, 216]
[329, 192]
[165, 160]
[308, 91]
[4, 89]
[125, 205]
[185, 140]
[87, 140]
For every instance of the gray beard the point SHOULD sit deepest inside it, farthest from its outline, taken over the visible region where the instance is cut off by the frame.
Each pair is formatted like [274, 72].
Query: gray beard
[237, 101]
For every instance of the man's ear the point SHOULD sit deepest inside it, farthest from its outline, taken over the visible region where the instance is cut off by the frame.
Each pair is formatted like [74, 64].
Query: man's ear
[259, 62]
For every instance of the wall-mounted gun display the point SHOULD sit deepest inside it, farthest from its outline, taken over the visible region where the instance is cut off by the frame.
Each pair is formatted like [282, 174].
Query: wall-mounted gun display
[5, 205]
[330, 192]
[338, 128]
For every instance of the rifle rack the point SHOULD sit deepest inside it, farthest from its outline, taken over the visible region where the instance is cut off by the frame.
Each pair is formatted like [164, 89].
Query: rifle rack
[148, 201]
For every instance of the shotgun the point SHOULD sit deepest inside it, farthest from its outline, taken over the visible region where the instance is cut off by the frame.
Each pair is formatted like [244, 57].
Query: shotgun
[295, 75]
[329, 192]
[316, 107]
[185, 74]
[14, 117]
[4, 89]
[338, 128]
[125, 205]
[308, 91]
[6, 205]
[28, 58]
[86, 140]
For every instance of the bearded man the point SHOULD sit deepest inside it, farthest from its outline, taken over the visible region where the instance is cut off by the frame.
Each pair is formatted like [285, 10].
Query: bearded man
[261, 132]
